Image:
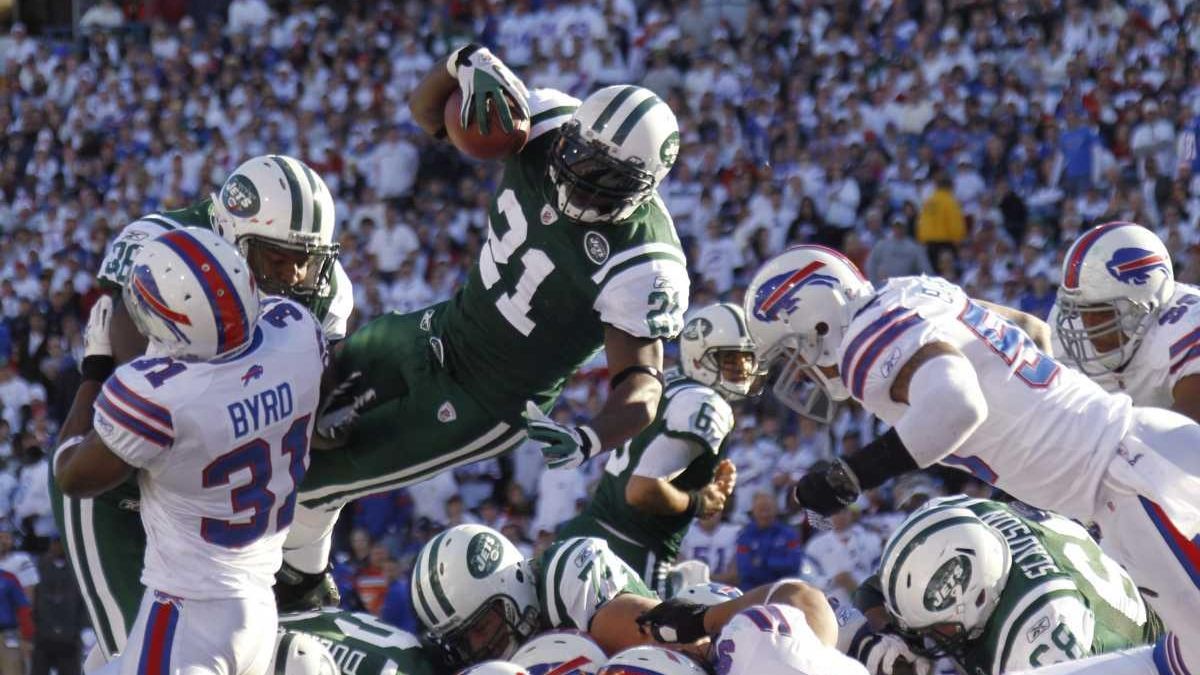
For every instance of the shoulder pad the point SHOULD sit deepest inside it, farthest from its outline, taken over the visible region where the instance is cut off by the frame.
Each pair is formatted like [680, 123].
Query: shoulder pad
[700, 414]
[579, 575]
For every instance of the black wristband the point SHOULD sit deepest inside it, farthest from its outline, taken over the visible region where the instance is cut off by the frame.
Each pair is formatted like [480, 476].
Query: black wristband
[880, 460]
[97, 367]
[693, 507]
[633, 370]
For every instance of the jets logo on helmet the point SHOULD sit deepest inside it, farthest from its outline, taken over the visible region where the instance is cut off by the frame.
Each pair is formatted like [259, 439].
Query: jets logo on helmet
[1133, 265]
[777, 294]
[239, 196]
[483, 554]
[948, 583]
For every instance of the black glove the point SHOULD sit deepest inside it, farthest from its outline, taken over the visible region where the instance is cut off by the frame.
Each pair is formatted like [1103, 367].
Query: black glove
[827, 491]
[342, 407]
[675, 621]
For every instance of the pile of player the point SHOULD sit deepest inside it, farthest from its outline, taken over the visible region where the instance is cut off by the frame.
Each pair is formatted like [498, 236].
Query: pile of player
[189, 443]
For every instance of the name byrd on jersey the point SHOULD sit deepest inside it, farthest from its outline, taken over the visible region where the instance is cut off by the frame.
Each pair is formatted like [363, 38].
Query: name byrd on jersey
[260, 410]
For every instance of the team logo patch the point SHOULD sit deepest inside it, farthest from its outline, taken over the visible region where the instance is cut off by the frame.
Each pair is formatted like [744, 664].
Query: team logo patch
[548, 215]
[446, 413]
[1134, 265]
[669, 149]
[697, 328]
[1038, 629]
[948, 583]
[426, 321]
[106, 427]
[889, 364]
[240, 197]
[483, 554]
[252, 373]
[439, 352]
[777, 295]
[596, 247]
[136, 235]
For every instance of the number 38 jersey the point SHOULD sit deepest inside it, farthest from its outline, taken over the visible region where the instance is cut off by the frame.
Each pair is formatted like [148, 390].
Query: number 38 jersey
[576, 576]
[221, 446]
[1170, 351]
[1047, 425]
[535, 305]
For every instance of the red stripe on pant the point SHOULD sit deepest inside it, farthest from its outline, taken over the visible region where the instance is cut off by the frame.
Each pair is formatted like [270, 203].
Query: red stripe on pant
[156, 653]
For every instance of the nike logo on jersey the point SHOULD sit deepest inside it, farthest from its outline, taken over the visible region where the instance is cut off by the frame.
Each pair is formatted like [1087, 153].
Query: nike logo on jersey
[260, 410]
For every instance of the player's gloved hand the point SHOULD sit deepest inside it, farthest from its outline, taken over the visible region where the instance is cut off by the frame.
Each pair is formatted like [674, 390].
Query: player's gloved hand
[675, 621]
[827, 491]
[891, 655]
[98, 362]
[565, 447]
[481, 76]
[711, 500]
[342, 407]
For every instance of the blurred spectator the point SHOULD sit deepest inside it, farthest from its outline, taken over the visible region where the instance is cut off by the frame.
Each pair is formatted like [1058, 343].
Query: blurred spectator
[1038, 299]
[16, 625]
[397, 606]
[17, 563]
[32, 508]
[767, 548]
[104, 15]
[843, 557]
[371, 581]
[941, 225]
[714, 542]
[246, 16]
[898, 255]
[59, 615]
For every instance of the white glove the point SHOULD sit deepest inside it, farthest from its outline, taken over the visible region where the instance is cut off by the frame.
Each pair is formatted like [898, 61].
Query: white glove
[96, 341]
[482, 76]
[882, 657]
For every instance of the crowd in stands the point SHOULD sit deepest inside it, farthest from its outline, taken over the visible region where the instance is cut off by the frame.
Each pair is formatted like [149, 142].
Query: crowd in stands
[972, 140]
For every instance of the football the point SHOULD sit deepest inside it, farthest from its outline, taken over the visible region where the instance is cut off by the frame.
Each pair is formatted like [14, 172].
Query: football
[496, 144]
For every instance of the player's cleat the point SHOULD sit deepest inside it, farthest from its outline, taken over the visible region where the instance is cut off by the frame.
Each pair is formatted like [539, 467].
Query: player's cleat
[297, 591]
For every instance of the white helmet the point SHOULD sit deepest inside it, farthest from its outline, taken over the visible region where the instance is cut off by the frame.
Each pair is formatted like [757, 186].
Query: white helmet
[650, 660]
[468, 576]
[944, 566]
[613, 152]
[798, 307]
[192, 295]
[709, 593]
[712, 334]
[1121, 274]
[495, 668]
[278, 202]
[566, 652]
[301, 654]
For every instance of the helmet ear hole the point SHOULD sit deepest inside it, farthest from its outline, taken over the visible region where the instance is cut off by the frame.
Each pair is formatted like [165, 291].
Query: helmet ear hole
[981, 599]
[822, 328]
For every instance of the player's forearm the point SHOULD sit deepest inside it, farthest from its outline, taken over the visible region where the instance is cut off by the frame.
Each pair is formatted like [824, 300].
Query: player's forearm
[79, 418]
[85, 468]
[428, 99]
[629, 409]
[656, 496]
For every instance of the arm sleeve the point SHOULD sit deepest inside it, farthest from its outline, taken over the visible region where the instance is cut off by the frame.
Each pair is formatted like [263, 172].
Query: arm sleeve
[948, 385]
[130, 422]
[648, 298]
[666, 457]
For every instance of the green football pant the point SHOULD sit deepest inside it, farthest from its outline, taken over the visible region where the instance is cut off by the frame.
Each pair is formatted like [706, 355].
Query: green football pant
[428, 421]
[655, 569]
[105, 542]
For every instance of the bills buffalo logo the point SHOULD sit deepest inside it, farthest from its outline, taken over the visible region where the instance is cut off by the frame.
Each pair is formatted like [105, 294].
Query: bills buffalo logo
[149, 299]
[580, 665]
[777, 295]
[252, 373]
[1134, 265]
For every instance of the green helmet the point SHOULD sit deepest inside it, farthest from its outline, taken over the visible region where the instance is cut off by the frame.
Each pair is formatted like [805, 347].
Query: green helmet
[475, 595]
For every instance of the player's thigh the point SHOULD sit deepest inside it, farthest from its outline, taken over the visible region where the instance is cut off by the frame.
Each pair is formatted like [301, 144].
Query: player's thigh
[200, 637]
[435, 427]
[106, 543]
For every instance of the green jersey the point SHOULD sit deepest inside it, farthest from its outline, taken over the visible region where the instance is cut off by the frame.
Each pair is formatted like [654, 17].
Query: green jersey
[534, 307]
[684, 444]
[360, 643]
[1064, 598]
[332, 306]
[576, 576]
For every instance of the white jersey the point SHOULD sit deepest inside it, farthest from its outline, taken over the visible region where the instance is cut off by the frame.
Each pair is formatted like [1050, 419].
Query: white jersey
[1170, 351]
[1047, 426]
[776, 640]
[717, 549]
[334, 314]
[21, 565]
[222, 446]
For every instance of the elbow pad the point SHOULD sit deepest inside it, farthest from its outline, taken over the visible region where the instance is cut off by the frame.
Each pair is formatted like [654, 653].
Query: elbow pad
[946, 406]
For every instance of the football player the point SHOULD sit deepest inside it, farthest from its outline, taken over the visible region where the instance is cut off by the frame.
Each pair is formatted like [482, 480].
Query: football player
[479, 599]
[216, 422]
[562, 652]
[280, 216]
[651, 660]
[581, 255]
[675, 470]
[359, 643]
[776, 639]
[301, 654]
[1000, 587]
[964, 386]
[1123, 320]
